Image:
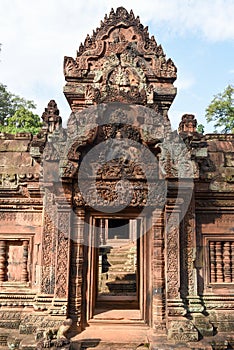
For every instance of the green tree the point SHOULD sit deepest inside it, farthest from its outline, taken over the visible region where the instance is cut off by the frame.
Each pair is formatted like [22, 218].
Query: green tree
[16, 113]
[23, 120]
[221, 110]
[200, 128]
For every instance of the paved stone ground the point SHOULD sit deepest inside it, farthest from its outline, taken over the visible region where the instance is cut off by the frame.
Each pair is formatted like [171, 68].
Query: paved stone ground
[112, 346]
[125, 337]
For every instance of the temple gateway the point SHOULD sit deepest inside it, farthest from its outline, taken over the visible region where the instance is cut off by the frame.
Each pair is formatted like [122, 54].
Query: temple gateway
[117, 232]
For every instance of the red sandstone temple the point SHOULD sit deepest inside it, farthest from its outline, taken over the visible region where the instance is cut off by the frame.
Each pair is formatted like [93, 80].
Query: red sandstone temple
[117, 228]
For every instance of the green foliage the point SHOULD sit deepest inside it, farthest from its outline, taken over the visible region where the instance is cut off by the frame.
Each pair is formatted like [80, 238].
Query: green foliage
[15, 113]
[23, 120]
[200, 128]
[221, 110]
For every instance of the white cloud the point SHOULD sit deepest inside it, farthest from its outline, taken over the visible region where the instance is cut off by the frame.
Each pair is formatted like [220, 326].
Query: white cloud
[36, 35]
[184, 82]
[213, 19]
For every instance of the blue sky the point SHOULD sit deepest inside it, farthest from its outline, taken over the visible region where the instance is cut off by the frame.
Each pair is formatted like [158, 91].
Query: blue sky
[197, 34]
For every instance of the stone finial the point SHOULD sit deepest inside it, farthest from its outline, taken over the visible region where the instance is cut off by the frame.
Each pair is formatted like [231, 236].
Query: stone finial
[188, 124]
[51, 118]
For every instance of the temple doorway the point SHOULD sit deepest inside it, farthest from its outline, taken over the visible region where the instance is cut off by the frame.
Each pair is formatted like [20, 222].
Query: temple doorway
[117, 282]
[118, 260]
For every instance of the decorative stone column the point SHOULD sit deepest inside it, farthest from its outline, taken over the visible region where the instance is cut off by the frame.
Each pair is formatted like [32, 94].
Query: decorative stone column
[190, 257]
[76, 266]
[63, 253]
[48, 244]
[179, 328]
[190, 262]
[24, 272]
[172, 253]
[159, 322]
[212, 263]
[2, 260]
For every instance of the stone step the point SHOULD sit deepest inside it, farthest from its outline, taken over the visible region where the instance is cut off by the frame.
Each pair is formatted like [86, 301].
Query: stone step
[115, 322]
[119, 263]
[122, 258]
[130, 306]
[122, 251]
[120, 275]
[120, 271]
[115, 346]
[112, 336]
[121, 286]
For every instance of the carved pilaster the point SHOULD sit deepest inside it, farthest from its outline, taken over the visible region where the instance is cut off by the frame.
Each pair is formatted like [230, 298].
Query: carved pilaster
[172, 251]
[48, 244]
[24, 272]
[158, 272]
[189, 259]
[76, 265]
[63, 253]
[2, 260]
[190, 247]
[80, 214]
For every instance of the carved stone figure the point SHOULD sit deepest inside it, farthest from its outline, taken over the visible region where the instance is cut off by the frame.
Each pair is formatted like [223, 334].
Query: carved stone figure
[117, 179]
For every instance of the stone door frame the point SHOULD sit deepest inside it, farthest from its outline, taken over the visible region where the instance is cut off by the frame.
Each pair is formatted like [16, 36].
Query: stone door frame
[144, 269]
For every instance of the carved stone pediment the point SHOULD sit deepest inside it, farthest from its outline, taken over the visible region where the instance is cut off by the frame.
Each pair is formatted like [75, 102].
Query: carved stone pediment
[121, 38]
[119, 62]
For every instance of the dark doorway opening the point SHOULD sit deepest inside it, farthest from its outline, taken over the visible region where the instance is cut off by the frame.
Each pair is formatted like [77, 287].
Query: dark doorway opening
[118, 229]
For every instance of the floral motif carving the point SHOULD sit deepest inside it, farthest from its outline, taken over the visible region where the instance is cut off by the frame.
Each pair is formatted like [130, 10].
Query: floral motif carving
[48, 242]
[8, 180]
[172, 246]
[62, 266]
[187, 254]
[182, 331]
[26, 217]
[113, 193]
